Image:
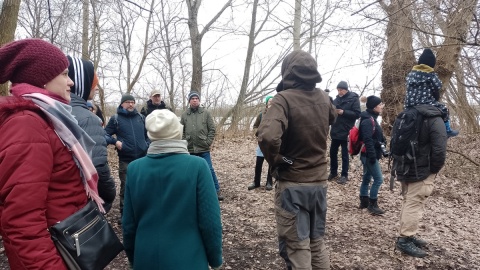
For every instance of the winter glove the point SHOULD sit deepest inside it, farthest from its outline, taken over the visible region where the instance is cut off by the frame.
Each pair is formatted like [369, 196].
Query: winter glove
[372, 160]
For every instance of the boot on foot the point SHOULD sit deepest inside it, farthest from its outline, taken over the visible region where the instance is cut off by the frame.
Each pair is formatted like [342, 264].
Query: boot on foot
[406, 245]
[363, 202]
[374, 209]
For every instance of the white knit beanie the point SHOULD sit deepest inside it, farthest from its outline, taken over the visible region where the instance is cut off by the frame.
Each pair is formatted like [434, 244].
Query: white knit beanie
[163, 125]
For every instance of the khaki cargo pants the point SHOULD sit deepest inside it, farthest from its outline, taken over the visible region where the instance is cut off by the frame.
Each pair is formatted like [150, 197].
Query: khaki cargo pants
[300, 211]
[414, 198]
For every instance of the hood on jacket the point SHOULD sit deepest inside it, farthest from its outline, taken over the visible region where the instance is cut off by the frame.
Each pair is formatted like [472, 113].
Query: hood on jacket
[82, 74]
[76, 101]
[428, 110]
[299, 71]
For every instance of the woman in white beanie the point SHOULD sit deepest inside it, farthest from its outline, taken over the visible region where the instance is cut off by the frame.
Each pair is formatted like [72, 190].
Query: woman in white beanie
[171, 205]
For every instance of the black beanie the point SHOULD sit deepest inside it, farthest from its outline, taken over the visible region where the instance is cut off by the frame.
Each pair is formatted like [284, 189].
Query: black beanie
[427, 58]
[373, 101]
[81, 72]
[343, 85]
[126, 97]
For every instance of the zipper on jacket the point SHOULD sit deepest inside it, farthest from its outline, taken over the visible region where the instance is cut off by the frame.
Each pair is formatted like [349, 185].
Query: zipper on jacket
[82, 230]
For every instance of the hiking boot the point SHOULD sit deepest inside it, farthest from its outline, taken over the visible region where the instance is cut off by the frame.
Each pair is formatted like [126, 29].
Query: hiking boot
[452, 133]
[268, 186]
[342, 180]
[253, 186]
[332, 177]
[363, 202]
[418, 241]
[374, 209]
[405, 245]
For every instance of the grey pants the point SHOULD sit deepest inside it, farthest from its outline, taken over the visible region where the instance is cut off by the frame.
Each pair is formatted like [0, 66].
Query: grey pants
[300, 211]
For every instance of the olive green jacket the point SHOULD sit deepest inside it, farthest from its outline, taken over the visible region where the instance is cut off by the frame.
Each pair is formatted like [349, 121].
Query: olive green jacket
[198, 129]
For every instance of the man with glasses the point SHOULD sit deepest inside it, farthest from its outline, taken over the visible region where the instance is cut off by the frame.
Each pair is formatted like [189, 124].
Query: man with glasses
[130, 139]
[347, 105]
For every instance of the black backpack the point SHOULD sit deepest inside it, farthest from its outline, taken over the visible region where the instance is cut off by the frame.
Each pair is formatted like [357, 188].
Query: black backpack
[404, 140]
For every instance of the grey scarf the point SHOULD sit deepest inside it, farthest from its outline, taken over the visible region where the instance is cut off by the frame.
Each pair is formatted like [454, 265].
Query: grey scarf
[167, 146]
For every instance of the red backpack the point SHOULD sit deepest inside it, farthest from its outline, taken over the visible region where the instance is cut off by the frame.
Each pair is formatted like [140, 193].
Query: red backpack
[355, 145]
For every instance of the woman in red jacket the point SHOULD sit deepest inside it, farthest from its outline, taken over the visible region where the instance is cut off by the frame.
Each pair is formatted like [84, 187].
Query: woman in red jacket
[46, 173]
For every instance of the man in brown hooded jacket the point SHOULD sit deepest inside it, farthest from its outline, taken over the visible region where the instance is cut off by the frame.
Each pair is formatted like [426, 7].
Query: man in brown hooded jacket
[293, 138]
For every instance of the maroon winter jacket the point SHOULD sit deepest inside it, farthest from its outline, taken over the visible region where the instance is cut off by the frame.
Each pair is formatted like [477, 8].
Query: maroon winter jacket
[40, 185]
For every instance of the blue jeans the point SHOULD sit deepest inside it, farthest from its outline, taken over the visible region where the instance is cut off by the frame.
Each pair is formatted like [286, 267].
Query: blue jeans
[333, 157]
[208, 159]
[369, 171]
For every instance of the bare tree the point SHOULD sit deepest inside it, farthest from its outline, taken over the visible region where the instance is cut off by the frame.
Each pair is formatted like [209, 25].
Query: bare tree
[8, 24]
[398, 58]
[196, 37]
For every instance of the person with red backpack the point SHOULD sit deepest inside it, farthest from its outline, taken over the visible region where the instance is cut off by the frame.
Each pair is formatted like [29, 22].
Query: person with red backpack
[372, 136]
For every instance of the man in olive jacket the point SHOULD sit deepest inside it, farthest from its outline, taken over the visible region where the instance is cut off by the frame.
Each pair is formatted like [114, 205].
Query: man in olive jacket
[347, 105]
[293, 138]
[199, 131]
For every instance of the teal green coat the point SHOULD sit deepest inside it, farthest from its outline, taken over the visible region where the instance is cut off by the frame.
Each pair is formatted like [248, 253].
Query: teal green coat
[171, 216]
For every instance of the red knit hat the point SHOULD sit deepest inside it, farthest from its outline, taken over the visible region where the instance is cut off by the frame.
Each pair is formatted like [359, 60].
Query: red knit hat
[31, 61]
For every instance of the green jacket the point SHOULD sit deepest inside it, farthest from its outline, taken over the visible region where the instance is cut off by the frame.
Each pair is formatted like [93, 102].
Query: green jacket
[171, 217]
[198, 129]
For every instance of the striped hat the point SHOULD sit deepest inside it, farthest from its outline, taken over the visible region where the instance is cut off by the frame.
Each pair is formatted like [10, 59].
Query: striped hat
[82, 74]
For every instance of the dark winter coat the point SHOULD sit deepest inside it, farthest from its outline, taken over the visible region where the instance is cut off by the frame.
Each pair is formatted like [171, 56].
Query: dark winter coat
[296, 125]
[92, 126]
[432, 143]
[150, 107]
[40, 185]
[171, 215]
[350, 104]
[372, 139]
[129, 128]
[198, 129]
[423, 86]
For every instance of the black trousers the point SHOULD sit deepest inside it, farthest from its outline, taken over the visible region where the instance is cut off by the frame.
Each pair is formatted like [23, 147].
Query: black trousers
[258, 172]
[333, 157]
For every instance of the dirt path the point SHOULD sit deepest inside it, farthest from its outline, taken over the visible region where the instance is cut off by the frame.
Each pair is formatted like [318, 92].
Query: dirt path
[356, 240]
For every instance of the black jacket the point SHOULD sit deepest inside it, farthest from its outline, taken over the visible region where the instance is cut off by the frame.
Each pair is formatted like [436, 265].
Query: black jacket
[432, 143]
[372, 139]
[150, 107]
[129, 128]
[350, 104]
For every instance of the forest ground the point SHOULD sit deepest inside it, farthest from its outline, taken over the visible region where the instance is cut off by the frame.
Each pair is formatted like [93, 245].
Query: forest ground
[355, 239]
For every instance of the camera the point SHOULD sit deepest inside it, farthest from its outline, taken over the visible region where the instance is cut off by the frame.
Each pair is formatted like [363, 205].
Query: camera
[385, 152]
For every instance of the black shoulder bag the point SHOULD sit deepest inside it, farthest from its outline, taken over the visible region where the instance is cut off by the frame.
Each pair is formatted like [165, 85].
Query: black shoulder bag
[85, 240]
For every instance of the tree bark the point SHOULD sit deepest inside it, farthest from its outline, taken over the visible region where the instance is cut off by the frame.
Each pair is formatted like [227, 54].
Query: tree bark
[8, 25]
[398, 59]
[236, 116]
[85, 24]
[297, 25]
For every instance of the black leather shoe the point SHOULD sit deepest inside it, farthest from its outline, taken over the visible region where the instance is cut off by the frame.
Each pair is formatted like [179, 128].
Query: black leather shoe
[269, 186]
[342, 180]
[253, 186]
[406, 245]
[331, 177]
[418, 241]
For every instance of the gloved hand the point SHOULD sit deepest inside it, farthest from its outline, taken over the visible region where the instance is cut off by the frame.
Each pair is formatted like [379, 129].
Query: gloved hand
[372, 160]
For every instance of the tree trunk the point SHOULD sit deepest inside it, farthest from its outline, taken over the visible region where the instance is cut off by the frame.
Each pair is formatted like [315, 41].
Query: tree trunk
[8, 25]
[297, 25]
[85, 24]
[398, 59]
[236, 116]
[455, 29]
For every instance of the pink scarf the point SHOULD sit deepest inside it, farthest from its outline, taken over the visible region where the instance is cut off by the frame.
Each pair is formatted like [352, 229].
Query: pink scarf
[69, 132]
